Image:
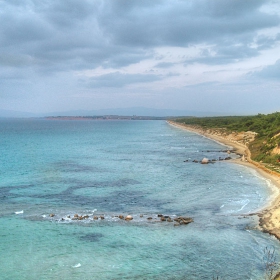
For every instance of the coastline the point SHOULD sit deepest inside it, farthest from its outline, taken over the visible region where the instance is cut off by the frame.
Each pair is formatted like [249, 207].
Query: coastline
[268, 216]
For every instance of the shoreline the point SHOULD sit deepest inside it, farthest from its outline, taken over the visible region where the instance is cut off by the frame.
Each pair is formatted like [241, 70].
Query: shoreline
[268, 215]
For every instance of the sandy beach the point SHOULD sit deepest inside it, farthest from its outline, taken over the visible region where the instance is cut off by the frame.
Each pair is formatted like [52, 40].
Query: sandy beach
[269, 217]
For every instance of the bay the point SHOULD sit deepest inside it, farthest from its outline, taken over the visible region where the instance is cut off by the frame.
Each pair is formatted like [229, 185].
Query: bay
[110, 168]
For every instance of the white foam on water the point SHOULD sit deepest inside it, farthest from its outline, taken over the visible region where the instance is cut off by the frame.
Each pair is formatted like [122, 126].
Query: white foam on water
[274, 191]
[76, 265]
[247, 201]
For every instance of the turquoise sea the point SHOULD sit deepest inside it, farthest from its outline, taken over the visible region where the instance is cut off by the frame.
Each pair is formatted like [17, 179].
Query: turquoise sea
[107, 168]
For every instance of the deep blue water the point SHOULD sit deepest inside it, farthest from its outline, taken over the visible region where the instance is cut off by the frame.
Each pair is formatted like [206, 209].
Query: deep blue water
[110, 168]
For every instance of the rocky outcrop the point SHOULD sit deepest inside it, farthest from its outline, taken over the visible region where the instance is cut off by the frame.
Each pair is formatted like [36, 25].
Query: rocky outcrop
[183, 221]
[154, 218]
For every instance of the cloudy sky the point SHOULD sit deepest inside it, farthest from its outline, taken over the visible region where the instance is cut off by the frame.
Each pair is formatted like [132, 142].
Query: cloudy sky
[198, 55]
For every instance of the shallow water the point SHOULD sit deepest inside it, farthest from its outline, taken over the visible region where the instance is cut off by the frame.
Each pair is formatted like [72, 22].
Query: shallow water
[124, 167]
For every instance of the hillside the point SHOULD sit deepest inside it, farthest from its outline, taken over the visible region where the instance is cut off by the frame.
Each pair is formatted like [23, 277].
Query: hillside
[261, 133]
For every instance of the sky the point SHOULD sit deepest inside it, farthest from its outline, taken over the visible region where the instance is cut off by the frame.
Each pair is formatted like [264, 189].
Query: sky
[193, 55]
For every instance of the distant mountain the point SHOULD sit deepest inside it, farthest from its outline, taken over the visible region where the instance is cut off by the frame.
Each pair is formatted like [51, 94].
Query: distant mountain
[17, 114]
[133, 111]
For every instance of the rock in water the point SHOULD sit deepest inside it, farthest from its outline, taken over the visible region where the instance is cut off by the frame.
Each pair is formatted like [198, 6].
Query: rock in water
[205, 161]
[128, 218]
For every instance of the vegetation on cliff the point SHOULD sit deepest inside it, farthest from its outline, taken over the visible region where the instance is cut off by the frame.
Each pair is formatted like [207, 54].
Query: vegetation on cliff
[266, 145]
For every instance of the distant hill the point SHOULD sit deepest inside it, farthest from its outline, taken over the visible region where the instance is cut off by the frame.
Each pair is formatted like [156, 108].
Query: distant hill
[133, 111]
[17, 114]
[136, 111]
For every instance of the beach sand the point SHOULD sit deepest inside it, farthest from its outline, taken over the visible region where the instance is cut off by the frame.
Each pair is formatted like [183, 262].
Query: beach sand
[269, 216]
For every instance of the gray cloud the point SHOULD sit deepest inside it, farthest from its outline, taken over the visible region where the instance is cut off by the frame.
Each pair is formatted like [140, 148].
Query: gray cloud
[67, 14]
[164, 64]
[45, 43]
[120, 80]
[180, 22]
[225, 53]
[269, 72]
[265, 42]
[86, 34]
